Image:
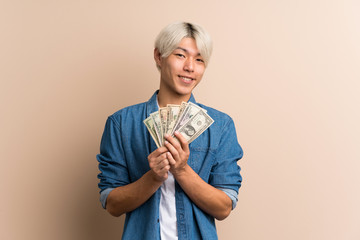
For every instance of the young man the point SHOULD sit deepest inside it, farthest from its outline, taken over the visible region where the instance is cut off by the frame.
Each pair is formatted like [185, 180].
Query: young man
[176, 190]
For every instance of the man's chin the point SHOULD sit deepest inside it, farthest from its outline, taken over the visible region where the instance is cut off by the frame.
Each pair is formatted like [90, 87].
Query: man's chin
[184, 91]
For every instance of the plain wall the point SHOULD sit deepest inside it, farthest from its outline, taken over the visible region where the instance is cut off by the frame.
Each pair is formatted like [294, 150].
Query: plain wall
[287, 72]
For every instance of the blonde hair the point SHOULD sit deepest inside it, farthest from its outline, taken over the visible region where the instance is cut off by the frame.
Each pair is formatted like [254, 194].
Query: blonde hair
[170, 37]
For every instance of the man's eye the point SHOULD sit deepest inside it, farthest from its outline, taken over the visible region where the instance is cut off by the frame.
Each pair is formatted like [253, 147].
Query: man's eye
[200, 60]
[179, 55]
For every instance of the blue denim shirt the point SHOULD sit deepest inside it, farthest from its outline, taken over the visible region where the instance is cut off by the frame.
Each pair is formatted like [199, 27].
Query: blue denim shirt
[124, 148]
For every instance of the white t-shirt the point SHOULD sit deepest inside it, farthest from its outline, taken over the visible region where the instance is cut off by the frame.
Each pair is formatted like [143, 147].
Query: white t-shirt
[167, 210]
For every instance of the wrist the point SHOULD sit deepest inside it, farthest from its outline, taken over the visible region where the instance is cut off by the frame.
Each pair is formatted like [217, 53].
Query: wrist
[182, 172]
[155, 178]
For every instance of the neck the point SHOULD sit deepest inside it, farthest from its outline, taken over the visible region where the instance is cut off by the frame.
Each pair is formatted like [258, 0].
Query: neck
[165, 98]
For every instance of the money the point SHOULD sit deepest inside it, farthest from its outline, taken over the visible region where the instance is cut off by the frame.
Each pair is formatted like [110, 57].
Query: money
[196, 126]
[188, 118]
[149, 123]
[163, 122]
[172, 116]
[155, 116]
[190, 110]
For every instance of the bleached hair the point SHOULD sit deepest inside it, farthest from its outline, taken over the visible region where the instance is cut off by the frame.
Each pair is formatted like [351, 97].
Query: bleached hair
[170, 37]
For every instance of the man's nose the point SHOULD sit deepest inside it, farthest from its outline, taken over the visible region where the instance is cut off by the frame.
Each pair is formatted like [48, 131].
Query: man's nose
[189, 65]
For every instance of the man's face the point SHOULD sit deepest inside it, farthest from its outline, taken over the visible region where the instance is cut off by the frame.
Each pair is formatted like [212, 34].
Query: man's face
[182, 70]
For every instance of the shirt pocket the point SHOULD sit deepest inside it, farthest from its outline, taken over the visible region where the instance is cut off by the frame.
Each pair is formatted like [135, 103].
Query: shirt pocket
[201, 160]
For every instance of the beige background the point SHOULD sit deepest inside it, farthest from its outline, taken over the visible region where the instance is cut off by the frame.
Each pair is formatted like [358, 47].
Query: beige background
[286, 71]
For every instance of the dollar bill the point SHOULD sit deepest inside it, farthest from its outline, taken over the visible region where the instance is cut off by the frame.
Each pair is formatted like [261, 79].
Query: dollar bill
[149, 123]
[172, 115]
[188, 118]
[157, 124]
[196, 125]
[163, 112]
[190, 111]
[182, 108]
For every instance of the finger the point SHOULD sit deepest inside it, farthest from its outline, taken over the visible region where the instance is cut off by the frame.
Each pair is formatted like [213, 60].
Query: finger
[170, 158]
[161, 161]
[163, 166]
[173, 151]
[164, 170]
[174, 142]
[158, 152]
[161, 150]
[164, 163]
[155, 163]
[156, 160]
[184, 143]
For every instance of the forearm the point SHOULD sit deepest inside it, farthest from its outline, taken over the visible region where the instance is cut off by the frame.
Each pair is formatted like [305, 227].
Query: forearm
[211, 200]
[127, 198]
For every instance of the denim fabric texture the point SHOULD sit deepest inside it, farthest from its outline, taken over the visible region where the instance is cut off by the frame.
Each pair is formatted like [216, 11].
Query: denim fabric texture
[124, 148]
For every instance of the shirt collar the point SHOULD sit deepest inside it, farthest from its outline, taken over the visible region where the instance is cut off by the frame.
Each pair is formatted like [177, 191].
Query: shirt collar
[152, 104]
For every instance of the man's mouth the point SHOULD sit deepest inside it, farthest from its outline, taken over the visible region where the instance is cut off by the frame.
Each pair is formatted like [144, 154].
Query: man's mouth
[186, 79]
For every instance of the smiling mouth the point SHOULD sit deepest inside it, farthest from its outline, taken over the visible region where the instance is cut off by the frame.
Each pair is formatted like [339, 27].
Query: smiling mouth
[186, 79]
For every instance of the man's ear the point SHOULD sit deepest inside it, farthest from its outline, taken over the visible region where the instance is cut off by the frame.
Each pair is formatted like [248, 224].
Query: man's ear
[157, 57]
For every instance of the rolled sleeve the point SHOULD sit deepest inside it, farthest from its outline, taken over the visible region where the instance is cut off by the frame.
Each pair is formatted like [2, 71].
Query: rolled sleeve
[232, 195]
[226, 173]
[103, 196]
[112, 164]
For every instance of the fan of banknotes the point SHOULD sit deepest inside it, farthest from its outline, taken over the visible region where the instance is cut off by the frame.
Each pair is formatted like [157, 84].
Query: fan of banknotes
[188, 118]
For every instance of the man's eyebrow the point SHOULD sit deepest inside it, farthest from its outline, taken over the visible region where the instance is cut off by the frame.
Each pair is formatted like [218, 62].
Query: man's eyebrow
[185, 50]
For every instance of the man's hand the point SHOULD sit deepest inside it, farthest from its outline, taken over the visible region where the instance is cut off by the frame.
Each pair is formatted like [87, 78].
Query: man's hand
[159, 164]
[211, 200]
[178, 153]
[126, 198]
